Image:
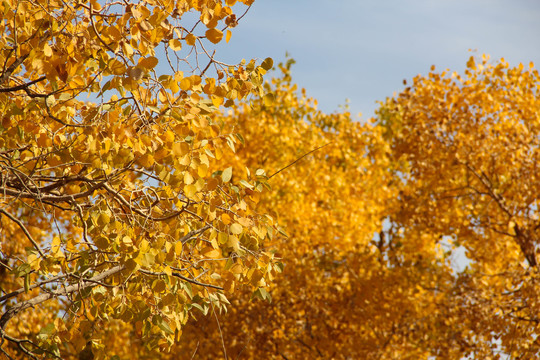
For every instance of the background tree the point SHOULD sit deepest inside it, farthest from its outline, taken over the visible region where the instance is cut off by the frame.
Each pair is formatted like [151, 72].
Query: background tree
[376, 217]
[469, 152]
[120, 209]
[343, 292]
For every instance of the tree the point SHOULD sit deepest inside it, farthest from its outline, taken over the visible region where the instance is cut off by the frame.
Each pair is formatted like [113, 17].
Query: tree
[120, 209]
[469, 150]
[341, 294]
[375, 217]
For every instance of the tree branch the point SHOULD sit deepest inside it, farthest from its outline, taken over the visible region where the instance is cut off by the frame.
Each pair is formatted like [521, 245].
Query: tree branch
[25, 230]
[22, 86]
[84, 284]
[178, 275]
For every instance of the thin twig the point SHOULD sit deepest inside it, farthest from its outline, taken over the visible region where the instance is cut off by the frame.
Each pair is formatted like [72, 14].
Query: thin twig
[178, 275]
[195, 352]
[297, 160]
[219, 327]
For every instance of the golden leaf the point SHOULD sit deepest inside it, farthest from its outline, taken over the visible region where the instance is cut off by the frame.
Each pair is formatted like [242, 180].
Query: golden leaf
[214, 35]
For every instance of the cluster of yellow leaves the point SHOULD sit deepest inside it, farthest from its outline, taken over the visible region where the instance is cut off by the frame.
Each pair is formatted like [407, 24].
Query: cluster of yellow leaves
[124, 208]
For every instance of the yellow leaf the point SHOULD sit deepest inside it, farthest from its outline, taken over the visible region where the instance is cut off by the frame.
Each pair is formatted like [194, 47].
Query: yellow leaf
[96, 6]
[267, 64]
[180, 149]
[214, 35]
[135, 73]
[237, 269]
[211, 253]
[101, 242]
[212, 184]
[245, 222]
[268, 99]
[146, 160]
[188, 179]
[128, 50]
[175, 44]
[55, 244]
[168, 136]
[43, 140]
[146, 25]
[162, 95]
[159, 286]
[228, 36]
[226, 175]
[229, 286]
[148, 62]
[202, 170]
[186, 160]
[226, 218]
[34, 261]
[512, 228]
[190, 39]
[196, 79]
[236, 228]
[217, 101]
[185, 84]
[47, 51]
[190, 190]
[103, 219]
[178, 248]
[173, 85]
[471, 64]
[117, 67]
[234, 242]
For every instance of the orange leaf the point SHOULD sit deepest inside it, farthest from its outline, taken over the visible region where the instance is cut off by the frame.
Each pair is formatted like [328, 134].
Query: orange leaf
[149, 62]
[214, 35]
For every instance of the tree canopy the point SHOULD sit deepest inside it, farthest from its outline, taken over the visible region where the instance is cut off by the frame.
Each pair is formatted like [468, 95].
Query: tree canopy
[115, 206]
[151, 196]
[377, 218]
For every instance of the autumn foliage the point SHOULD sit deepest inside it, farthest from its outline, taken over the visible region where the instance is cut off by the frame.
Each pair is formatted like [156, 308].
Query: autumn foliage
[156, 203]
[378, 218]
[115, 206]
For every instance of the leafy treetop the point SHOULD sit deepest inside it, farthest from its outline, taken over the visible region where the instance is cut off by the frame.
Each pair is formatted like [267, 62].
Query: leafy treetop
[121, 208]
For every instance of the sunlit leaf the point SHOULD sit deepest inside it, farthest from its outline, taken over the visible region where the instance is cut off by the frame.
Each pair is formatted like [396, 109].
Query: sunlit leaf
[214, 35]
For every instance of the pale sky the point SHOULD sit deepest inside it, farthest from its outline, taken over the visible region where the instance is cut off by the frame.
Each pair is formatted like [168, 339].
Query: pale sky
[362, 50]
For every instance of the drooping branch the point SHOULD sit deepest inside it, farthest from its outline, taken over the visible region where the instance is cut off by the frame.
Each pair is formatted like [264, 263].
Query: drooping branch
[33, 286]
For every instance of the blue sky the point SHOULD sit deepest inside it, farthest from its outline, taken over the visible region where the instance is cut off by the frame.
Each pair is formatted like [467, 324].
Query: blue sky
[362, 50]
